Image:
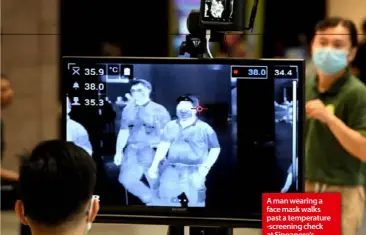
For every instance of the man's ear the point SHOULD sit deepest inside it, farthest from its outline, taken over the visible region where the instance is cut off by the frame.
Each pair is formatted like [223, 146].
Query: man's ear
[19, 211]
[94, 208]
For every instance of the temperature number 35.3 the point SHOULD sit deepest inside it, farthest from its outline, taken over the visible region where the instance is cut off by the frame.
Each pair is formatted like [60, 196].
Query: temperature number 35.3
[94, 86]
[93, 102]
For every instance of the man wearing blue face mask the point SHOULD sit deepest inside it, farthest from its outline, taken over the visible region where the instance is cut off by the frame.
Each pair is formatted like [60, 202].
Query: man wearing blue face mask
[335, 146]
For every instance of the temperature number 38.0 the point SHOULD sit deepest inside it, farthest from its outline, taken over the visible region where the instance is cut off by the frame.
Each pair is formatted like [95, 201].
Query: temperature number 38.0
[94, 86]
[257, 72]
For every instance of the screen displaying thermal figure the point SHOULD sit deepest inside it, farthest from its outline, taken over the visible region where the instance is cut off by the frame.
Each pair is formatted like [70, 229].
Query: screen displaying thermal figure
[286, 118]
[167, 140]
[76, 133]
[186, 133]
[218, 10]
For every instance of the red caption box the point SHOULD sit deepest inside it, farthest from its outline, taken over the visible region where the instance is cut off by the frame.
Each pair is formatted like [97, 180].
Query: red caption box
[301, 214]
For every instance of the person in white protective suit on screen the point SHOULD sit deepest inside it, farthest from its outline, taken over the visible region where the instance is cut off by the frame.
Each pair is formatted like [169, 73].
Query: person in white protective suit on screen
[188, 150]
[76, 133]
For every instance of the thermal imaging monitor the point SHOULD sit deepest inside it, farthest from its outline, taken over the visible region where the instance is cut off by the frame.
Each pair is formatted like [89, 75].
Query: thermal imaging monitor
[187, 138]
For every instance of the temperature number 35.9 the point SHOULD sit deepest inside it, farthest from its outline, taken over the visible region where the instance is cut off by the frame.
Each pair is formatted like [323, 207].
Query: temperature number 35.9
[93, 72]
[94, 86]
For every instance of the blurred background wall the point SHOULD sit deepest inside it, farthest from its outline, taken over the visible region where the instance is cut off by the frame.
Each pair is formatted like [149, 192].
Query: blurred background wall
[352, 9]
[31, 47]
[30, 56]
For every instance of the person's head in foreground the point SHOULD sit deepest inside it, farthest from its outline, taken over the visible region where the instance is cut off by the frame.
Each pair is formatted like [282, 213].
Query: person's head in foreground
[56, 187]
[334, 46]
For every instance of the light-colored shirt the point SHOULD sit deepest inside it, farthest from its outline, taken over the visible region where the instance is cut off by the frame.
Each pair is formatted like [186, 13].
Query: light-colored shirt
[189, 145]
[77, 134]
[145, 122]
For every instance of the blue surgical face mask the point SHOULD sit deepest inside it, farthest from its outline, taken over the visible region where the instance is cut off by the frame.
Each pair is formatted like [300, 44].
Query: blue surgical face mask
[329, 60]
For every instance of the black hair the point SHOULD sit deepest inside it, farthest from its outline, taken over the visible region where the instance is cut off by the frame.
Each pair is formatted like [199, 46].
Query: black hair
[191, 98]
[142, 82]
[363, 26]
[56, 182]
[333, 22]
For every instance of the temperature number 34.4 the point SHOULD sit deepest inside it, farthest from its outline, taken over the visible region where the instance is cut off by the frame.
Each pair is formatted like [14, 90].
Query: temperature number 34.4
[94, 86]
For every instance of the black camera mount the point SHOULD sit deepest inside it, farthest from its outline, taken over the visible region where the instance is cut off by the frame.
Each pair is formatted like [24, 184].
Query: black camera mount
[196, 41]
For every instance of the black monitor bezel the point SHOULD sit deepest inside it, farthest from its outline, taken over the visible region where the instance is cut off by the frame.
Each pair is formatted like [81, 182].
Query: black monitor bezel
[192, 216]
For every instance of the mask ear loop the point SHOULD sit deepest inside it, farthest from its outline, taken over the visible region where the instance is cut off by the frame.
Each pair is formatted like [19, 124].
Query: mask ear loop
[94, 198]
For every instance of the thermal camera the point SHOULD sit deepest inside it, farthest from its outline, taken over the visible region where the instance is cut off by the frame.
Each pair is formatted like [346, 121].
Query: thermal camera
[226, 15]
[212, 21]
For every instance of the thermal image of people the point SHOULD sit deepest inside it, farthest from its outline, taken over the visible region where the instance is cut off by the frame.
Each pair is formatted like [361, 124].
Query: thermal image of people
[76, 133]
[283, 112]
[206, 10]
[140, 131]
[188, 150]
[217, 8]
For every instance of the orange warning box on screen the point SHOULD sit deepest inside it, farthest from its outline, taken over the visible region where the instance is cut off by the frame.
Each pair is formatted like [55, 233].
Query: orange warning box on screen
[301, 213]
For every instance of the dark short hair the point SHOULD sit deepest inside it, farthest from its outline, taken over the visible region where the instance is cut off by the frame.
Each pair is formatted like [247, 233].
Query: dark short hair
[56, 182]
[191, 98]
[333, 22]
[363, 26]
[143, 82]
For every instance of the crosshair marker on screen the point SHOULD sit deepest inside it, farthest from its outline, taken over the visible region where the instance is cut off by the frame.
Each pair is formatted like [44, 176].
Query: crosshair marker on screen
[199, 109]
